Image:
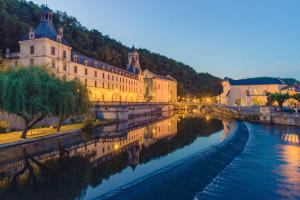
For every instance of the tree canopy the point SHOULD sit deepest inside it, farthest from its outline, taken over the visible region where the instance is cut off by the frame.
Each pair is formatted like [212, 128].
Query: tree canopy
[32, 93]
[71, 99]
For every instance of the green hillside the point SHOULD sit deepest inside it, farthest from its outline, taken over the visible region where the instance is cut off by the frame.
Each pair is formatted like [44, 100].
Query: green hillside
[17, 15]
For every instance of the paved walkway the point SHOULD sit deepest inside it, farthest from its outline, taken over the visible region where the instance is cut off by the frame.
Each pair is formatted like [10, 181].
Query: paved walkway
[14, 138]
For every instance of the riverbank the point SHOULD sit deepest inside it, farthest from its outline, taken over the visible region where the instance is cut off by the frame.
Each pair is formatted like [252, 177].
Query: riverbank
[14, 138]
[263, 114]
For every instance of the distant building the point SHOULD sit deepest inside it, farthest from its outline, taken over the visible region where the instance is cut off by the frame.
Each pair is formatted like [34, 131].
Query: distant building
[46, 46]
[248, 92]
[159, 88]
[291, 89]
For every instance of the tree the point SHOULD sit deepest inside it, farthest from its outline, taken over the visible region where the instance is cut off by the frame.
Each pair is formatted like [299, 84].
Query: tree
[296, 97]
[277, 97]
[28, 93]
[72, 99]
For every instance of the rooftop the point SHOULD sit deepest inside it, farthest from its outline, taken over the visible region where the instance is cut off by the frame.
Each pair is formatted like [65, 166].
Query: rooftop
[45, 29]
[91, 62]
[255, 81]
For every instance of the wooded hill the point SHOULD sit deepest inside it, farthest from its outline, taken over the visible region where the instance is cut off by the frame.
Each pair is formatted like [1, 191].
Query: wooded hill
[17, 15]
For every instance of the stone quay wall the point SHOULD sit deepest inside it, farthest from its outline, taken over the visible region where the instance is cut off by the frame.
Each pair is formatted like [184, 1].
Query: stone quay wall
[268, 115]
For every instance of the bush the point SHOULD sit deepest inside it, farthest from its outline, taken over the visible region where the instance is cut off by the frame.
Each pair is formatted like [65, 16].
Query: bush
[3, 126]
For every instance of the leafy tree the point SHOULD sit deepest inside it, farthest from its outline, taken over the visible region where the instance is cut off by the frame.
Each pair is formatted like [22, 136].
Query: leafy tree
[72, 99]
[296, 97]
[277, 97]
[28, 93]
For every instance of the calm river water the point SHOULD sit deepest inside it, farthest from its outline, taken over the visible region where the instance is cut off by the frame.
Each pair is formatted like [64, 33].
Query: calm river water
[175, 156]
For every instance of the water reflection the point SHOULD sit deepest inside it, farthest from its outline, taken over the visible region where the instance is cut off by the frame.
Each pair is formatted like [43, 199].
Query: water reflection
[289, 187]
[65, 167]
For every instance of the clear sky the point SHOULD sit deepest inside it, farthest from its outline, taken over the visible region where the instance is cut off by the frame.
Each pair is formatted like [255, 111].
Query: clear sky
[234, 38]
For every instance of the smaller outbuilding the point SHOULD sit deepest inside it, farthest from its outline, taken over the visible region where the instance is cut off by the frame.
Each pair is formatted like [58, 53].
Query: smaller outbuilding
[251, 91]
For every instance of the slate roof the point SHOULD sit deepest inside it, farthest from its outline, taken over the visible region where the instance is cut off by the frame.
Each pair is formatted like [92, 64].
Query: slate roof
[45, 29]
[168, 77]
[91, 62]
[295, 88]
[255, 81]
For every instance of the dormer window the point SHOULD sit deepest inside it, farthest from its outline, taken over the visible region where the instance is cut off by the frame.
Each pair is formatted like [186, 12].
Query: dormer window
[85, 62]
[95, 64]
[75, 58]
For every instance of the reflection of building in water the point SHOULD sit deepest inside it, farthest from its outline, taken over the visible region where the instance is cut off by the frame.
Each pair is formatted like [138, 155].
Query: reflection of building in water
[226, 127]
[162, 129]
[102, 148]
[290, 187]
[290, 138]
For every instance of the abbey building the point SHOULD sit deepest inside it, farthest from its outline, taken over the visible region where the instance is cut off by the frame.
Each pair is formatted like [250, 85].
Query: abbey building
[46, 46]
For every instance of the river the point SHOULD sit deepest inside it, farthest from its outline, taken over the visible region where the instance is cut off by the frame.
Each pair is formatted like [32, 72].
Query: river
[174, 156]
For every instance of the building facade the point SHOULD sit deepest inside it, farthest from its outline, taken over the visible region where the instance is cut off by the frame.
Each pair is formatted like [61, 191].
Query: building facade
[248, 92]
[159, 88]
[46, 46]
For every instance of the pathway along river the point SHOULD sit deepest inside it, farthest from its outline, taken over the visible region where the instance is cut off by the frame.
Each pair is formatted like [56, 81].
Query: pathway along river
[158, 157]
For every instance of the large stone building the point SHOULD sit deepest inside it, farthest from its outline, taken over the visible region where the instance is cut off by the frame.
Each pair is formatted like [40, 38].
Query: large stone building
[45, 46]
[159, 88]
[248, 92]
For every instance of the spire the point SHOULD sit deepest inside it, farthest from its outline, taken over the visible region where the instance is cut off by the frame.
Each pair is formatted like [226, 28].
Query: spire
[46, 14]
[132, 49]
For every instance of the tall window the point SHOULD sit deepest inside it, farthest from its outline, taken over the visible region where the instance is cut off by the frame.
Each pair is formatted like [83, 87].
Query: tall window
[64, 54]
[53, 51]
[65, 67]
[53, 64]
[31, 49]
[32, 62]
[86, 72]
[85, 82]
[95, 83]
[103, 75]
[95, 73]
[75, 69]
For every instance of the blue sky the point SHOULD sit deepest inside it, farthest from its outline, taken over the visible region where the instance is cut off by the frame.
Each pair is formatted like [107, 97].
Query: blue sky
[234, 38]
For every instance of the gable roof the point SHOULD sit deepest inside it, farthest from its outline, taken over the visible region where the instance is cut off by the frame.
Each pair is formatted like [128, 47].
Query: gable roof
[256, 81]
[149, 74]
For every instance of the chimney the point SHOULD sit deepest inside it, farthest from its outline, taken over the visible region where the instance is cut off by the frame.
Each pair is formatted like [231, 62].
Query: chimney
[60, 34]
[31, 33]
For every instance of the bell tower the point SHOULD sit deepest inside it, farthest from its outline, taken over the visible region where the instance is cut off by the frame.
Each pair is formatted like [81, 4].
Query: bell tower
[133, 61]
[47, 14]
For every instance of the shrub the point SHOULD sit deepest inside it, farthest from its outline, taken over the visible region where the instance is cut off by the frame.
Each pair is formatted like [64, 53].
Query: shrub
[3, 126]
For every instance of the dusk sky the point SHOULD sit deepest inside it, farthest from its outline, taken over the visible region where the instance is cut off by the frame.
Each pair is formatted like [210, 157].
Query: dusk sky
[231, 38]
